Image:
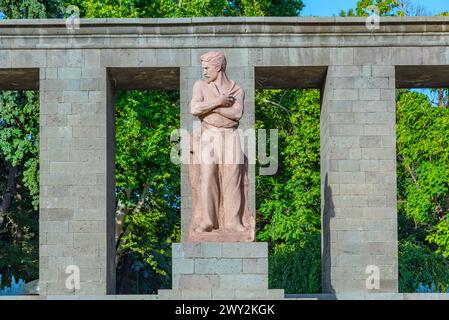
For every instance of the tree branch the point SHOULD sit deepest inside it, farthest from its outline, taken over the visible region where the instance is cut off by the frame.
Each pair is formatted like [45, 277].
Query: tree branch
[120, 229]
[412, 174]
[10, 189]
[277, 105]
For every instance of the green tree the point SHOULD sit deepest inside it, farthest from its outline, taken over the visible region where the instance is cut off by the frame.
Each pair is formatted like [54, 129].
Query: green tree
[147, 187]
[423, 171]
[384, 7]
[185, 8]
[288, 204]
[19, 186]
[31, 9]
[440, 237]
[421, 265]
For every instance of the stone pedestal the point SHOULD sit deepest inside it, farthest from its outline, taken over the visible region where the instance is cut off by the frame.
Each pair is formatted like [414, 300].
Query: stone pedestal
[220, 271]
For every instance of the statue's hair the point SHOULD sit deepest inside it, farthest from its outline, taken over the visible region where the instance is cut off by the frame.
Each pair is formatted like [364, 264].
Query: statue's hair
[216, 58]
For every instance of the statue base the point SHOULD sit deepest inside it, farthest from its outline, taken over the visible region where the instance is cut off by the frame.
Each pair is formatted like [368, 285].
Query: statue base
[220, 271]
[222, 236]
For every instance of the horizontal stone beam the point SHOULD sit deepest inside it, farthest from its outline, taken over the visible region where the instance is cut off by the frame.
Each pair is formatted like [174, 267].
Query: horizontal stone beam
[422, 77]
[310, 77]
[252, 32]
[19, 79]
[145, 78]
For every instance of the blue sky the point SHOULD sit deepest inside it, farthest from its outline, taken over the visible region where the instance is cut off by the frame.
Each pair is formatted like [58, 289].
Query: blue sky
[332, 7]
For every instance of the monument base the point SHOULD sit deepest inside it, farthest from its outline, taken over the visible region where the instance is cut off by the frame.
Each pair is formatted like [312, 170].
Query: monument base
[221, 294]
[220, 271]
[224, 236]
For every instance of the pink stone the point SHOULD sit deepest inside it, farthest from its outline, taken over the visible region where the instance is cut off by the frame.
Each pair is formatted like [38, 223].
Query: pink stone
[218, 169]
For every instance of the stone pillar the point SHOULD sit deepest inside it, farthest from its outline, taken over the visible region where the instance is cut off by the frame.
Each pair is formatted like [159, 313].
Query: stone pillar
[188, 76]
[358, 171]
[73, 172]
[110, 188]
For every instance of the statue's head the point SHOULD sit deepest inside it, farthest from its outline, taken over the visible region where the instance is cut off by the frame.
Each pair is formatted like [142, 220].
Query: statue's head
[213, 62]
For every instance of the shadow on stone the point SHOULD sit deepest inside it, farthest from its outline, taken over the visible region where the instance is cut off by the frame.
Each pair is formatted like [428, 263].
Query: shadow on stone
[328, 213]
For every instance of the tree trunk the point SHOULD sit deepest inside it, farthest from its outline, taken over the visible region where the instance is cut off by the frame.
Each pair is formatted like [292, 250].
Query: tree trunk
[121, 212]
[125, 274]
[10, 190]
[122, 258]
[446, 201]
[441, 97]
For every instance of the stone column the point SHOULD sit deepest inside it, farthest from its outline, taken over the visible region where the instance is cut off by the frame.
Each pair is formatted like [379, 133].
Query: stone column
[358, 171]
[188, 76]
[74, 178]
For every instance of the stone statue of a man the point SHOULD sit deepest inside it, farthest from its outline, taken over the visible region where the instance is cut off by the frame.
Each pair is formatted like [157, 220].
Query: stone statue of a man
[219, 196]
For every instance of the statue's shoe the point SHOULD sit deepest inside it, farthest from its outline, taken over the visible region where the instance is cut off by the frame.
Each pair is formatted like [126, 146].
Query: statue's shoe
[204, 228]
[236, 228]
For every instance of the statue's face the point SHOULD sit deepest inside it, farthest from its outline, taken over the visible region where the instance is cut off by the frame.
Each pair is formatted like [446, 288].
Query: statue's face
[210, 71]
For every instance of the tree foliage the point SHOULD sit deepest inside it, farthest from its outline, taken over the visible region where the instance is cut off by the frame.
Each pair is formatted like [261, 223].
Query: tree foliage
[421, 265]
[288, 203]
[423, 166]
[19, 186]
[31, 9]
[185, 8]
[147, 185]
[296, 267]
[384, 8]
